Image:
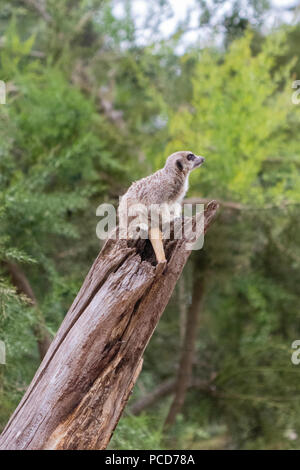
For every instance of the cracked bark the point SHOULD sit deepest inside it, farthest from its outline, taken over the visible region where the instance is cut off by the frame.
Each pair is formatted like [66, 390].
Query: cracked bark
[78, 394]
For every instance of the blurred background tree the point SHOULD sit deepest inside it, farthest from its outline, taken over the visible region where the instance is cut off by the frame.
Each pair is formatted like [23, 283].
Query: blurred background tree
[99, 92]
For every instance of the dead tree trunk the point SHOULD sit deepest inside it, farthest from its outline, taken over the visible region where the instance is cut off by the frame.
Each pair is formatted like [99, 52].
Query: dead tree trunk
[78, 394]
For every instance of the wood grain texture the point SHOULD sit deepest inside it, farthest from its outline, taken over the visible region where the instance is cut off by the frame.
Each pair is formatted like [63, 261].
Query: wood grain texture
[78, 394]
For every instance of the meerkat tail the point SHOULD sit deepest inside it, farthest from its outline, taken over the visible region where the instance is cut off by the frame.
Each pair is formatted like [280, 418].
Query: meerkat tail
[155, 236]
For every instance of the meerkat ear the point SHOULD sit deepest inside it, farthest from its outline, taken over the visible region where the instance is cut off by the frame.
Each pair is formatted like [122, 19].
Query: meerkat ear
[179, 165]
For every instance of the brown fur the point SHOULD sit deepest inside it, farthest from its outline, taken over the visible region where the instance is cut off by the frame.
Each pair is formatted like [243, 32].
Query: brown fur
[167, 185]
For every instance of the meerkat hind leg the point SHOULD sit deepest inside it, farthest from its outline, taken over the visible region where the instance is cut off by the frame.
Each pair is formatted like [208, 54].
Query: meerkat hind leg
[155, 236]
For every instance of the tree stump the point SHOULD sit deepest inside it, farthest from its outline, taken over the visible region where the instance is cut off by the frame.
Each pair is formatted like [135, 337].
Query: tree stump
[79, 392]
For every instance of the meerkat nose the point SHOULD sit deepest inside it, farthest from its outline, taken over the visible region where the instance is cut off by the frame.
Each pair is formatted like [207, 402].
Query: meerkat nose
[198, 161]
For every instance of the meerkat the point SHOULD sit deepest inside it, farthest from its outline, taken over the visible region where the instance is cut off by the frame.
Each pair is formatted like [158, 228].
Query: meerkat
[164, 190]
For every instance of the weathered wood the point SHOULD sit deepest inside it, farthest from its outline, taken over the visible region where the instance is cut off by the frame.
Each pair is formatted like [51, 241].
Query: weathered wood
[78, 394]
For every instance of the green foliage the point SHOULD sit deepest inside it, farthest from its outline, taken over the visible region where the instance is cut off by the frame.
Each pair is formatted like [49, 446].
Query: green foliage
[238, 117]
[16, 322]
[137, 433]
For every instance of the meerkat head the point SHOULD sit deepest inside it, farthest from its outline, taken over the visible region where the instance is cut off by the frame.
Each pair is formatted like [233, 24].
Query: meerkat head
[183, 162]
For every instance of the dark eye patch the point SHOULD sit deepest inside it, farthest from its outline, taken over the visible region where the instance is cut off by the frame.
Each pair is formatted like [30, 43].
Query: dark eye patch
[191, 156]
[179, 165]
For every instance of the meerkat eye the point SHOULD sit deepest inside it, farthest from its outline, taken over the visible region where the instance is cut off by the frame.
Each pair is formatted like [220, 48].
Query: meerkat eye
[191, 156]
